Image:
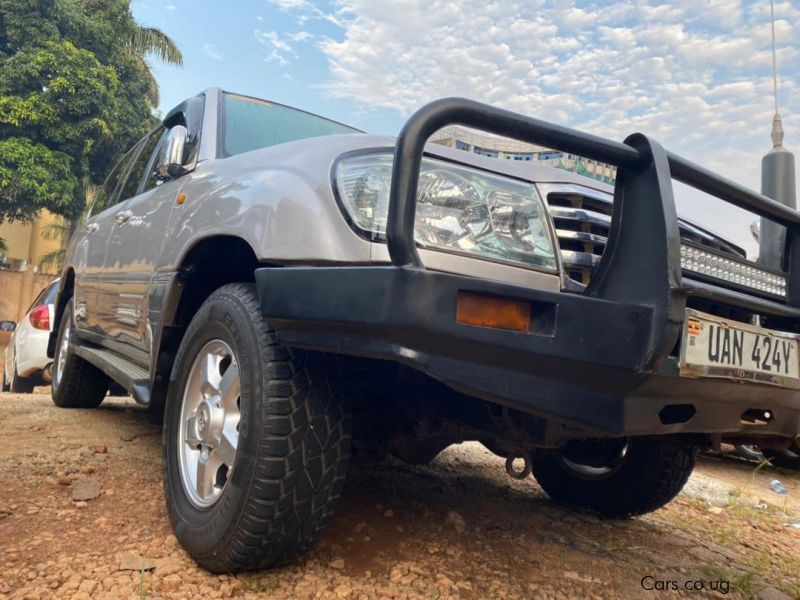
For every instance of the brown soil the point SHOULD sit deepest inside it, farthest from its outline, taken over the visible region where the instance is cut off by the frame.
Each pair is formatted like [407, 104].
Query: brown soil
[393, 535]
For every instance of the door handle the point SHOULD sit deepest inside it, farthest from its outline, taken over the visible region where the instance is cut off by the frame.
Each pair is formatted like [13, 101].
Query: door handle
[122, 216]
[92, 228]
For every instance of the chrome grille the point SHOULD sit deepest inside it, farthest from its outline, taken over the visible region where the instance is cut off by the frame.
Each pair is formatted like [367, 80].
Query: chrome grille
[582, 219]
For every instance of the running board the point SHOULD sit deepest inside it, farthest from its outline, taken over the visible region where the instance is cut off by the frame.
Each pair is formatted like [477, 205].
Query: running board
[129, 375]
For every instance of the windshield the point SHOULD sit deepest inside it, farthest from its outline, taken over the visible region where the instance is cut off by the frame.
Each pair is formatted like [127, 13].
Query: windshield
[250, 124]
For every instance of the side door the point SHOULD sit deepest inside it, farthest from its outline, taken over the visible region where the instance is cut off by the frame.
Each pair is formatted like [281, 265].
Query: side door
[90, 249]
[139, 231]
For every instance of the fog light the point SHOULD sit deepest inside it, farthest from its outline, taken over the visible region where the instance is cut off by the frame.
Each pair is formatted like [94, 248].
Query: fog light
[731, 270]
[490, 311]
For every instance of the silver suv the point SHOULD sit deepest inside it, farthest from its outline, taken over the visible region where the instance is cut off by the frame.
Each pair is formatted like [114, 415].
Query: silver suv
[286, 292]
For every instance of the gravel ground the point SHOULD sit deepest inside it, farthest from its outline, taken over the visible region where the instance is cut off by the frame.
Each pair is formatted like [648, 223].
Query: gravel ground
[82, 516]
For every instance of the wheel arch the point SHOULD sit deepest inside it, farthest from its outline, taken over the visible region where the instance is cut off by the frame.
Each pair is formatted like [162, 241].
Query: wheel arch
[66, 290]
[206, 266]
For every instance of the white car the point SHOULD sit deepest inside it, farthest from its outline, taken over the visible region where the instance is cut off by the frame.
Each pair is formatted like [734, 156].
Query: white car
[26, 364]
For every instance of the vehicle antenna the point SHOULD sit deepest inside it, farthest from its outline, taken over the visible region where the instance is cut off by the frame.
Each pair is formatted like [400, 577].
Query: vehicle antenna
[777, 124]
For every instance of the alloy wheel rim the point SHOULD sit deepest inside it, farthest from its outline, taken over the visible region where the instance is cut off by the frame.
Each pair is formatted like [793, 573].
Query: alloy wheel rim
[61, 359]
[590, 472]
[208, 432]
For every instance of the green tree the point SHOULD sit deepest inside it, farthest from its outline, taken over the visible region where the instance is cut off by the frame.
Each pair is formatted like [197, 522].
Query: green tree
[61, 231]
[76, 91]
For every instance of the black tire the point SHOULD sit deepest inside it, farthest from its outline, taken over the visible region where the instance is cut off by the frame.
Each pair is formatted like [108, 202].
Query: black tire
[651, 474]
[293, 443]
[80, 384]
[785, 459]
[20, 385]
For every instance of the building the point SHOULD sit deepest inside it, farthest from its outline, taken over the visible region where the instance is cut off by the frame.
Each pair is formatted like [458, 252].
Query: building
[493, 146]
[25, 244]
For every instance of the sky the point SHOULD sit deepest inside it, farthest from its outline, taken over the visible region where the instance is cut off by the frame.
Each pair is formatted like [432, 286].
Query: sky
[694, 74]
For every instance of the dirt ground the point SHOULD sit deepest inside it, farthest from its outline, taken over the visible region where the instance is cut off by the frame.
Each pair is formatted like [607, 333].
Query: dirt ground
[459, 528]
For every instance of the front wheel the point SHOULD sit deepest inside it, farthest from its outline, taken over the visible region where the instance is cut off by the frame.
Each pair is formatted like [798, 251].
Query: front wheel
[256, 439]
[617, 479]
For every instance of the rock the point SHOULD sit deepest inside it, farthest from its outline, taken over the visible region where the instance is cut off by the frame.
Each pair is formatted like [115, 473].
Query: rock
[715, 510]
[343, 591]
[129, 561]
[360, 527]
[337, 564]
[88, 586]
[167, 569]
[81, 504]
[170, 583]
[98, 448]
[389, 514]
[456, 521]
[86, 488]
[770, 593]
[171, 541]
[397, 573]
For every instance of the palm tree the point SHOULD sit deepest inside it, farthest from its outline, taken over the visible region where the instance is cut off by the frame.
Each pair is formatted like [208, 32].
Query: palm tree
[62, 230]
[151, 40]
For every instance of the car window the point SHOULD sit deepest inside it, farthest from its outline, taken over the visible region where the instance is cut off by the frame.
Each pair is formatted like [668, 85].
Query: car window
[51, 293]
[107, 194]
[152, 177]
[250, 123]
[37, 301]
[46, 296]
[137, 171]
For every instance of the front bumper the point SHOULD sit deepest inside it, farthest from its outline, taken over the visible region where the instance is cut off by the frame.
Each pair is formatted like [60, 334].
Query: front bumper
[583, 364]
[603, 361]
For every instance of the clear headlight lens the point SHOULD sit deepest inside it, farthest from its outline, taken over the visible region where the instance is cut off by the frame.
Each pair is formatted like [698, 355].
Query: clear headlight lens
[726, 269]
[458, 209]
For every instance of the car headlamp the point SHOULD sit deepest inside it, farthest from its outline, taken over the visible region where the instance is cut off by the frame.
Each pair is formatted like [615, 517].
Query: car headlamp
[459, 209]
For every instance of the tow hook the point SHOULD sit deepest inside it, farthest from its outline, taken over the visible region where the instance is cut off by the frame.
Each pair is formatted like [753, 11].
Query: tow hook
[512, 458]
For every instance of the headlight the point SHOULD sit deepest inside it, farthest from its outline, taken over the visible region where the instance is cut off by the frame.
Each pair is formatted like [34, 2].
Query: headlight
[458, 209]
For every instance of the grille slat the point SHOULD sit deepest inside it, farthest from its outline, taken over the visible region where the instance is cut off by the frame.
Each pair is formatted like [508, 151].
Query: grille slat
[583, 221]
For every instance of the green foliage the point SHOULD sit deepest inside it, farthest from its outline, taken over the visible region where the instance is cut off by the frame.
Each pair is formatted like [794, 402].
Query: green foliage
[33, 177]
[75, 93]
[61, 231]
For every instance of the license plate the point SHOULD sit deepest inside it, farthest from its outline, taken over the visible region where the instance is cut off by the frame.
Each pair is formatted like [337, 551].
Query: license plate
[717, 347]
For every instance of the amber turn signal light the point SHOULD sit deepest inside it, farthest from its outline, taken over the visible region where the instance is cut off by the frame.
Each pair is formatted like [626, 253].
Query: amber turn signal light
[491, 311]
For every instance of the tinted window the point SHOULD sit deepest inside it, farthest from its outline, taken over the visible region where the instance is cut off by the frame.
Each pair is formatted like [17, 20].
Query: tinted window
[106, 195]
[250, 124]
[46, 296]
[140, 164]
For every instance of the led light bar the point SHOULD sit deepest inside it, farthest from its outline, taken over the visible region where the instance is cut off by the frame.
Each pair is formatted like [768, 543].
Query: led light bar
[731, 270]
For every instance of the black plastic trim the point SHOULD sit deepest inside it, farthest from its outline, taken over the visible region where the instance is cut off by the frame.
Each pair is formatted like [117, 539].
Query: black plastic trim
[587, 368]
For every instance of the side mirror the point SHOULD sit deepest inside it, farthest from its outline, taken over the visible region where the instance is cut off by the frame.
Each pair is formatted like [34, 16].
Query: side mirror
[7, 326]
[170, 156]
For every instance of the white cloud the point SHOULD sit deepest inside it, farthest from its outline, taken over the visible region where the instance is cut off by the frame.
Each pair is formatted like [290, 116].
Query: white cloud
[304, 11]
[210, 52]
[694, 75]
[171, 7]
[278, 49]
[300, 36]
